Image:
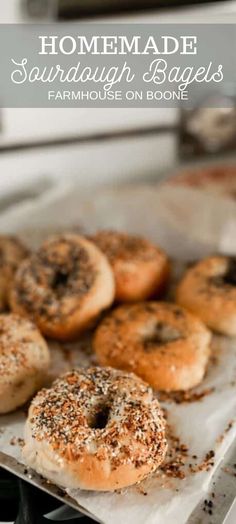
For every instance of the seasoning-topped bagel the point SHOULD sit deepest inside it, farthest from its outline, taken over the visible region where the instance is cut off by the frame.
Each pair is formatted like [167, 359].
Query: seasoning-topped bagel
[63, 286]
[208, 289]
[95, 429]
[12, 252]
[141, 269]
[24, 360]
[160, 342]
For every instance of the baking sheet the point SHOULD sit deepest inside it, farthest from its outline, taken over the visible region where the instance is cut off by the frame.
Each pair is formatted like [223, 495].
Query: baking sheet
[206, 428]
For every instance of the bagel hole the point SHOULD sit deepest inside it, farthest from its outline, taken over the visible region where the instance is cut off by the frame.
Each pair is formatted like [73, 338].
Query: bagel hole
[229, 277]
[100, 419]
[160, 335]
[60, 279]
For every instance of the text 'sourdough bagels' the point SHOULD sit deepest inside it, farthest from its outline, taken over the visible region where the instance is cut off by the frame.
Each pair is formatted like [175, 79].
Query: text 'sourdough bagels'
[63, 286]
[95, 429]
[141, 269]
[12, 252]
[208, 289]
[162, 343]
[24, 361]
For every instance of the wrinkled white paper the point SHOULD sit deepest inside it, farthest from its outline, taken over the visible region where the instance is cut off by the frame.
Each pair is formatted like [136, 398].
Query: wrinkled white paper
[188, 224]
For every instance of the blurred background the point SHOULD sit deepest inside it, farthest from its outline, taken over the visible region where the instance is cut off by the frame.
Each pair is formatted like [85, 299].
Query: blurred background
[98, 146]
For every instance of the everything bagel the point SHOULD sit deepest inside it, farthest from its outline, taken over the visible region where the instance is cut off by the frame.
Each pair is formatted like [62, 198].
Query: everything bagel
[12, 252]
[95, 429]
[208, 289]
[24, 360]
[140, 268]
[63, 286]
[162, 343]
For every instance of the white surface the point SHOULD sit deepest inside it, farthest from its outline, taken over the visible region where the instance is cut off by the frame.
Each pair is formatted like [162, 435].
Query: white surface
[29, 125]
[231, 518]
[10, 12]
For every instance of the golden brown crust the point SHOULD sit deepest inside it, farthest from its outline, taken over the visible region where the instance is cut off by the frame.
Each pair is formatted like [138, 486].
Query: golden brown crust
[64, 286]
[141, 269]
[24, 360]
[208, 289]
[96, 429]
[12, 252]
[160, 342]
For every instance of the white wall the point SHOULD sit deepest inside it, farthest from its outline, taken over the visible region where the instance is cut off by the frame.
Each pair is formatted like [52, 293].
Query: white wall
[92, 164]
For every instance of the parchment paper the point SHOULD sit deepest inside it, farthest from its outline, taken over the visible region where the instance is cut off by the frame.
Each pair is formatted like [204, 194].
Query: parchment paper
[189, 225]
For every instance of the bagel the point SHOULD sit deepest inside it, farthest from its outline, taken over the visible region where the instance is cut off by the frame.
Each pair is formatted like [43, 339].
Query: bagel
[162, 343]
[95, 429]
[208, 289]
[24, 360]
[63, 286]
[12, 252]
[140, 269]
